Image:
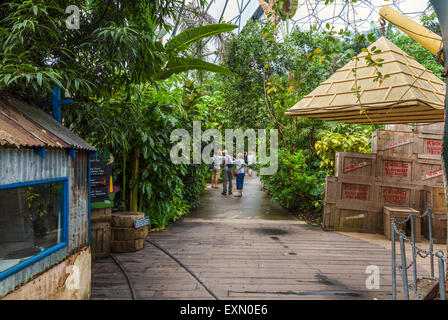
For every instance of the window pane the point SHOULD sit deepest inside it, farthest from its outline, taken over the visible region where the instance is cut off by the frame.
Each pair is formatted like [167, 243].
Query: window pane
[30, 221]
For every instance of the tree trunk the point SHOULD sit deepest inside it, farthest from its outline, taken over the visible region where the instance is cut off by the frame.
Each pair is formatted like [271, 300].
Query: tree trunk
[312, 140]
[133, 206]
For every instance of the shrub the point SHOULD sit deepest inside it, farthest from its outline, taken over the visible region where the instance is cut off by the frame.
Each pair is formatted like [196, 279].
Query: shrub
[333, 142]
[296, 184]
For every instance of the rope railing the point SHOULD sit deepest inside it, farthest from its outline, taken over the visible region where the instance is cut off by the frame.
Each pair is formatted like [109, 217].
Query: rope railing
[416, 251]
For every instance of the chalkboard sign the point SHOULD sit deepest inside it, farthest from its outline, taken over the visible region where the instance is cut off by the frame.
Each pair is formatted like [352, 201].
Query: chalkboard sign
[99, 194]
[142, 222]
[99, 167]
[100, 181]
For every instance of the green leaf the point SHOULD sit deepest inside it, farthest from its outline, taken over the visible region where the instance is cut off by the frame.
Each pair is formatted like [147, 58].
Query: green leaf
[56, 80]
[197, 33]
[371, 37]
[180, 65]
[39, 78]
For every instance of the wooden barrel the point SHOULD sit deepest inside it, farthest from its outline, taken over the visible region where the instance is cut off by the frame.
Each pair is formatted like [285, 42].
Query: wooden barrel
[126, 238]
[100, 232]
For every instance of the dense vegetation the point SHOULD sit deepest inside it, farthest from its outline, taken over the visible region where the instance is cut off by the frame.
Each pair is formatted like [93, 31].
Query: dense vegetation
[114, 66]
[273, 75]
[131, 91]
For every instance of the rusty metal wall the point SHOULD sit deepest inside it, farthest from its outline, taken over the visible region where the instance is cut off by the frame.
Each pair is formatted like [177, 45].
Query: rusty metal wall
[79, 212]
[21, 165]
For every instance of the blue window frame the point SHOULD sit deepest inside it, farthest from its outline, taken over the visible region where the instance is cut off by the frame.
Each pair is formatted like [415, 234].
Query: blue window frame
[33, 222]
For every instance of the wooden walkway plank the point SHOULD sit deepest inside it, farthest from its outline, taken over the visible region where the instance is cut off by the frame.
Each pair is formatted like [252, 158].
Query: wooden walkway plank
[253, 256]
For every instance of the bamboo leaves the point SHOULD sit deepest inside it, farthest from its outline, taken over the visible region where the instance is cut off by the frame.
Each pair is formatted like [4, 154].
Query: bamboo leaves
[179, 65]
[194, 34]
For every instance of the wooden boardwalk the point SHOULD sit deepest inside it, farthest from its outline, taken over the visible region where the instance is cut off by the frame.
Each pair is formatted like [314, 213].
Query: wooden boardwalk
[245, 256]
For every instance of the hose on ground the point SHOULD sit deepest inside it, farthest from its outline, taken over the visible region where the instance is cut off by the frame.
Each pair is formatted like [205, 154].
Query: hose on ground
[185, 267]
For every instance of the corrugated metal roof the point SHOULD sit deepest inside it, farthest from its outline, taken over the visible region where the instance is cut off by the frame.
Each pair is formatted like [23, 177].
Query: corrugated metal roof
[25, 125]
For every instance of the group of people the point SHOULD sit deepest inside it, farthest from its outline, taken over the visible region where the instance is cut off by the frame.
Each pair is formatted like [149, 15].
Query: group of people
[239, 167]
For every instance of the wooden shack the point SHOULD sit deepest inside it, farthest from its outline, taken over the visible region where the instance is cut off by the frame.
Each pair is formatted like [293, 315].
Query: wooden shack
[44, 205]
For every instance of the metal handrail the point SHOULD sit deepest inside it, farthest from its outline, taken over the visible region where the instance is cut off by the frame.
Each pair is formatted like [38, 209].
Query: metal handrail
[403, 267]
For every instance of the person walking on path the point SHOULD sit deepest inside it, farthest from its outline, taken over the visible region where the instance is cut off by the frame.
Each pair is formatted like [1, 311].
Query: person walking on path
[251, 162]
[240, 173]
[217, 158]
[227, 172]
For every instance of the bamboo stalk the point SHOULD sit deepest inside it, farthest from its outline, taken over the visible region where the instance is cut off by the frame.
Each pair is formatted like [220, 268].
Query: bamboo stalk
[133, 206]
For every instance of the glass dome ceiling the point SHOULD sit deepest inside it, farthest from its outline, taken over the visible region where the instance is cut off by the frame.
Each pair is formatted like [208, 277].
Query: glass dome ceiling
[349, 16]
[340, 14]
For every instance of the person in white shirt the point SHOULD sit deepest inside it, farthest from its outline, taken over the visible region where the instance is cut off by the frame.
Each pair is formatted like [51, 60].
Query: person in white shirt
[227, 172]
[240, 173]
[216, 167]
[250, 162]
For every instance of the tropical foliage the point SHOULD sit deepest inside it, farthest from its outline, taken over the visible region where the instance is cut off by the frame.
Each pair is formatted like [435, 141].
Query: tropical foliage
[273, 74]
[115, 46]
[114, 64]
[333, 142]
[297, 184]
[134, 82]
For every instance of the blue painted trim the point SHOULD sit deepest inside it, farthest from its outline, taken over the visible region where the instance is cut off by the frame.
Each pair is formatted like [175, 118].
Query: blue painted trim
[0, 153]
[56, 103]
[65, 223]
[56, 108]
[71, 152]
[40, 151]
[66, 101]
[31, 183]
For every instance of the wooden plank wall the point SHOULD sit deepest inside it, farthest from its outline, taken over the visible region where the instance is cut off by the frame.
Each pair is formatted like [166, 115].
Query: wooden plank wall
[404, 170]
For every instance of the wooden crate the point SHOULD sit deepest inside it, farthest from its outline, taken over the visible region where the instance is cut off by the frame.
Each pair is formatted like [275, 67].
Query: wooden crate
[427, 172]
[432, 128]
[430, 148]
[100, 232]
[329, 214]
[348, 219]
[352, 220]
[330, 195]
[355, 165]
[398, 195]
[439, 226]
[356, 192]
[399, 127]
[393, 169]
[356, 196]
[435, 198]
[395, 144]
[399, 214]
